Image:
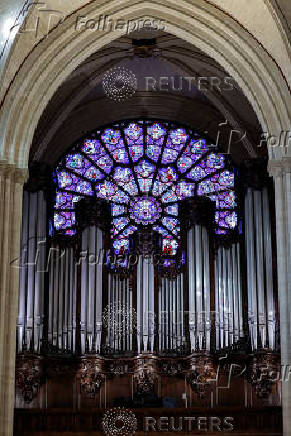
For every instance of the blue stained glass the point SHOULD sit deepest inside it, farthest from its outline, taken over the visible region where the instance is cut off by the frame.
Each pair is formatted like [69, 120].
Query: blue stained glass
[120, 197]
[91, 161]
[133, 131]
[120, 245]
[156, 131]
[120, 155]
[105, 163]
[136, 152]
[122, 175]
[106, 190]
[64, 200]
[184, 163]
[92, 146]
[226, 179]
[145, 210]
[184, 190]
[169, 155]
[226, 219]
[93, 174]
[120, 223]
[178, 138]
[197, 173]
[198, 147]
[215, 161]
[170, 223]
[74, 161]
[111, 137]
[167, 175]
[170, 246]
[153, 151]
[62, 220]
[225, 200]
[161, 230]
[117, 209]
[145, 169]
[169, 197]
[172, 209]
[129, 230]
[159, 188]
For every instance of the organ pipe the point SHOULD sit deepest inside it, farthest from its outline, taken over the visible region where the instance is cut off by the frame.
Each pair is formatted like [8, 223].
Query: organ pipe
[62, 299]
[171, 313]
[261, 302]
[91, 289]
[199, 288]
[32, 273]
[120, 321]
[145, 304]
[228, 297]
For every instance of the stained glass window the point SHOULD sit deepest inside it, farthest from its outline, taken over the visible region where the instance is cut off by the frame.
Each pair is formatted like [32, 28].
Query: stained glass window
[144, 169]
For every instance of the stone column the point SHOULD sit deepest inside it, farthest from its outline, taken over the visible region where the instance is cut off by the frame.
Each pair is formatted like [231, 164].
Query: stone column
[11, 192]
[281, 172]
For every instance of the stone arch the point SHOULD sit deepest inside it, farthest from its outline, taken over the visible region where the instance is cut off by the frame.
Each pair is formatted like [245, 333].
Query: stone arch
[201, 24]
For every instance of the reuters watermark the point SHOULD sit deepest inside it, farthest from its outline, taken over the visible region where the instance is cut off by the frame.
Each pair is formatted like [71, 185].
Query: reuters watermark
[123, 422]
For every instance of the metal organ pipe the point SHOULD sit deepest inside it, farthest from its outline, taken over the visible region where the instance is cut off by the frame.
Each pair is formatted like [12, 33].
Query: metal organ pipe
[228, 297]
[62, 299]
[145, 304]
[91, 290]
[119, 310]
[32, 273]
[171, 313]
[199, 288]
[261, 303]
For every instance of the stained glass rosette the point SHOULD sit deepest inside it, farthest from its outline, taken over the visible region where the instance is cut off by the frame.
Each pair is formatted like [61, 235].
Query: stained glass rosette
[144, 169]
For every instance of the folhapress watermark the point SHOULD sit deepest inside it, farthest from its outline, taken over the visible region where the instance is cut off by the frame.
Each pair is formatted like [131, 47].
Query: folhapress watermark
[105, 23]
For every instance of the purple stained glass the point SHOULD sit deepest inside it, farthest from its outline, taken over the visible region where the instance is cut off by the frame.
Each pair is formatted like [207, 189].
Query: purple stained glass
[92, 147]
[197, 173]
[142, 194]
[169, 155]
[120, 245]
[184, 163]
[64, 200]
[106, 190]
[120, 223]
[153, 151]
[162, 230]
[145, 210]
[184, 190]
[226, 219]
[156, 131]
[170, 196]
[133, 132]
[117, 209]
[136, 152]
[168, 175]
[172, 209]
[170, 246]
[145, 169]
[62, 220]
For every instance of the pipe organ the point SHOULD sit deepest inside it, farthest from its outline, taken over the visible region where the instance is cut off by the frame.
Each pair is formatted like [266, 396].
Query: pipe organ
[228, 297]
[91, 289]
[32, 266]
[73, 302]
[172, 312]
[62, 299]
[199, 288]
[171, 309]
[260, 281]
